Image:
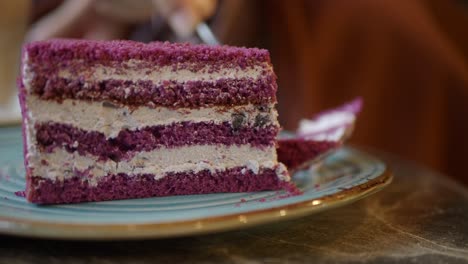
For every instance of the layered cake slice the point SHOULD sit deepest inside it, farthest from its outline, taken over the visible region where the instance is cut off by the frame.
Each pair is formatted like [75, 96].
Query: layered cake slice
[121, 119]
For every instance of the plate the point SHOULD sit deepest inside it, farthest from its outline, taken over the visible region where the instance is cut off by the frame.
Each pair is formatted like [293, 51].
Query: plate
[344, 177]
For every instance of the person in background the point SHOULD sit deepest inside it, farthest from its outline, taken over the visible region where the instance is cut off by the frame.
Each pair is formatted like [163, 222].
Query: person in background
[408, 59]
[117, 19]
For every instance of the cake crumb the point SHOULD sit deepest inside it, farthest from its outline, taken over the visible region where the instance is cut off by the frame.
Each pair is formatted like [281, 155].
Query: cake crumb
[20, 193]
[240, 202]
[290, 191]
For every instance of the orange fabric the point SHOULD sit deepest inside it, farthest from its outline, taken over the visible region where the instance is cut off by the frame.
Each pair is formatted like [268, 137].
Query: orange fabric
[408, 59]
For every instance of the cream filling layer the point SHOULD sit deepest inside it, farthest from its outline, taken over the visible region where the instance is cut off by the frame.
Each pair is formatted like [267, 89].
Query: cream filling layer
[62, 165]
[96, 116]
[133, 70]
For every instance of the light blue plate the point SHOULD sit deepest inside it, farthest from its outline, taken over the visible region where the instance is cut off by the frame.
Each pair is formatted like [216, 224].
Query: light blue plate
[344, 177]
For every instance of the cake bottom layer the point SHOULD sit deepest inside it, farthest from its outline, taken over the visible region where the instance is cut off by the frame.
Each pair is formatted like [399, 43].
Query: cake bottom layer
[122, 186]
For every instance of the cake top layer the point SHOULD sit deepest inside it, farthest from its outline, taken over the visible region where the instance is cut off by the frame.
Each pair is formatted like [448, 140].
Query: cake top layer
[158, 53]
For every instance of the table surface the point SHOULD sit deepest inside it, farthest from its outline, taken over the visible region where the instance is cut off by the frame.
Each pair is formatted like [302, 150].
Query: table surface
[421, 217]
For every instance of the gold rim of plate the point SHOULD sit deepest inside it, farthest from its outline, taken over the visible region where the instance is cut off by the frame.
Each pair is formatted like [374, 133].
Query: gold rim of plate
[74, 231]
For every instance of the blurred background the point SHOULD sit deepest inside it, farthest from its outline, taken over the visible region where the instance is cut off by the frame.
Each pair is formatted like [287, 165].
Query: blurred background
[408, 59]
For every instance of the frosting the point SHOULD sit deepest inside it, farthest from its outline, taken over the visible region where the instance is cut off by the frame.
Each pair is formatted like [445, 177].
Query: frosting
[60, 164]
[131, 71]
[110, 120]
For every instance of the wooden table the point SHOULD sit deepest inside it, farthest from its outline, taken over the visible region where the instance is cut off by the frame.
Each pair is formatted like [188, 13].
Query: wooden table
[422, 217]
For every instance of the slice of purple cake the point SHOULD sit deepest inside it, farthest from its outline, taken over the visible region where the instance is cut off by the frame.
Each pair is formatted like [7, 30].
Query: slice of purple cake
[121, 119]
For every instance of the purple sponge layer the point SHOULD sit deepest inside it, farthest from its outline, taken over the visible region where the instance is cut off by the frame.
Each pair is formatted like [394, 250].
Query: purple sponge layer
[55, 135]
[122, 186]
[60, 51]
[169, 94]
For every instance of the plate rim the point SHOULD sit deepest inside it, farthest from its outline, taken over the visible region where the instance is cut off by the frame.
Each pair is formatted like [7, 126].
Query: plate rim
[80, 231]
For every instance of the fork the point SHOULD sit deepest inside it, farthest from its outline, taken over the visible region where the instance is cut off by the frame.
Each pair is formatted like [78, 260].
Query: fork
[206, 35]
